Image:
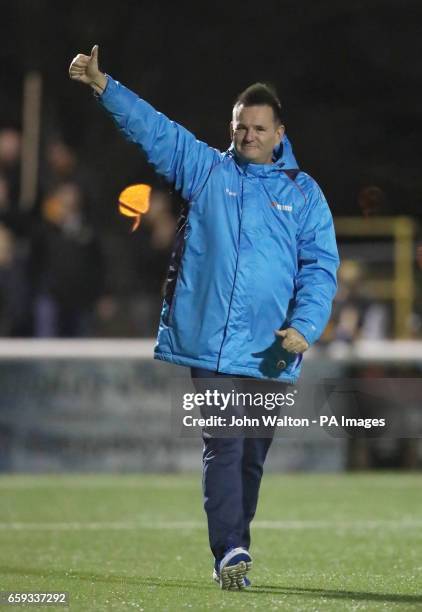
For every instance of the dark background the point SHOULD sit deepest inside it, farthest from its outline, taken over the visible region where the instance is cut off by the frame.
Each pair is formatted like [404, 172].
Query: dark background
[348, 74]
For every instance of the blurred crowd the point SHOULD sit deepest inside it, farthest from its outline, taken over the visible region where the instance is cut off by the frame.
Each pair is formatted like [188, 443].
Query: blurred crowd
[56, 263]
[59, 272]
[363, 309]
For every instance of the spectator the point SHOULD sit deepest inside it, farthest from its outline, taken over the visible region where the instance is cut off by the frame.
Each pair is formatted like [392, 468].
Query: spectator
[61, 165]
[10, 151]
[372, 201]
[4, 195]
[67, 266]
[355, 315]
[153, 246]
[14, 316]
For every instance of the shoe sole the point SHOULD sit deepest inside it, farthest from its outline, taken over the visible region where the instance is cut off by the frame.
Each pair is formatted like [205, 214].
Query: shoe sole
[243, 585]
[232, 576]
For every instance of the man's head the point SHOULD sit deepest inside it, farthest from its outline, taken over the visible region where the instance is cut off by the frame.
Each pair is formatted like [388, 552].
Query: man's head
[257, 128]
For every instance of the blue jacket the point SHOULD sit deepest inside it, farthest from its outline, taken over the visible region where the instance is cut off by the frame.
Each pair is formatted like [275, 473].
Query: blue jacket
[255, 250]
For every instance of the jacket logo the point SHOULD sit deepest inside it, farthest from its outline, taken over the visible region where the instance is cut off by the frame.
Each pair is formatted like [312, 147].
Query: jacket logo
[230, 193]
[286, 207]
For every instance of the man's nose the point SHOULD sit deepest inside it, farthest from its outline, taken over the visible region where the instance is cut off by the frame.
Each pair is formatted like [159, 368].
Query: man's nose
[249, 135]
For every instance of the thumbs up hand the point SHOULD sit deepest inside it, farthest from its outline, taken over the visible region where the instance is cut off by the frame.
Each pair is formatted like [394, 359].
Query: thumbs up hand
[84, 68]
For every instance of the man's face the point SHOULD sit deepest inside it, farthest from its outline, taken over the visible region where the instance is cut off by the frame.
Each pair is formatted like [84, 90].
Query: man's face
[255, 133]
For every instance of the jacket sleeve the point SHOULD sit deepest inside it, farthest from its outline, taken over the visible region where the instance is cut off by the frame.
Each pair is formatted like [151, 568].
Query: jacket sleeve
[171, 149]
[316, 281]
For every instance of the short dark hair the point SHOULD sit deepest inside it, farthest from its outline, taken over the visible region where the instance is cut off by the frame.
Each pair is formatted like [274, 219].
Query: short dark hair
[261, 94]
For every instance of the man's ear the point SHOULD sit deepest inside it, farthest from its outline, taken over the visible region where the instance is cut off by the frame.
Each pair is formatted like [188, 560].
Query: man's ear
[280, 131]
[231, 130]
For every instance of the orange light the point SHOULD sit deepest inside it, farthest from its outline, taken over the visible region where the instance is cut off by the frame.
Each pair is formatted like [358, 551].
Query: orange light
[135, 201]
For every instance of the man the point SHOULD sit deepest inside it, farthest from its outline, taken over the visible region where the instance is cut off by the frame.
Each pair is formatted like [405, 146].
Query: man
[251, 279]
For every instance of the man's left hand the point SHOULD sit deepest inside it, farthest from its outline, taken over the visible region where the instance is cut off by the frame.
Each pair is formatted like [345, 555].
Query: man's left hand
[293, 341]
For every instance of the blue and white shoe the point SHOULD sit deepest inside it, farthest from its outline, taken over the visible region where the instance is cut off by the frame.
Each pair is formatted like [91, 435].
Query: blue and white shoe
[233, 568]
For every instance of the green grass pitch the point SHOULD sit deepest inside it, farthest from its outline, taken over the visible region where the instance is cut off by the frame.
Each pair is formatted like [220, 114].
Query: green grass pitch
[320, 542]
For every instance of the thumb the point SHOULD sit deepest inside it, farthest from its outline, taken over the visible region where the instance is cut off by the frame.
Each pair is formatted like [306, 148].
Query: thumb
[281, 332]
[94, 54]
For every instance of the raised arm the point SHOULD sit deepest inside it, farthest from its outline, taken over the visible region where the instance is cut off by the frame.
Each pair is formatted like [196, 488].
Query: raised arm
[174, 152]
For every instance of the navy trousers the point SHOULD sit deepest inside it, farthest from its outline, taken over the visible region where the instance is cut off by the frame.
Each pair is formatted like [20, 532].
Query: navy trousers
[232, 472]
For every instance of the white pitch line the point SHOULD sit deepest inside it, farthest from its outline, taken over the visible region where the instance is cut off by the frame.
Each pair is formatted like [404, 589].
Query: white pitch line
[89, 482]
[275, 525]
